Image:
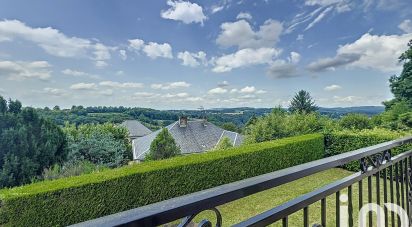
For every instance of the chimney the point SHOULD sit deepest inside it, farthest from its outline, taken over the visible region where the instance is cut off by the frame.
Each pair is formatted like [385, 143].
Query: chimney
[183, 121]
[204, 121]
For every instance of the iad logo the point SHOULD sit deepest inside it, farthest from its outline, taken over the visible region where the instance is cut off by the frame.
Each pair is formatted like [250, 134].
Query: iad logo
[375, 208]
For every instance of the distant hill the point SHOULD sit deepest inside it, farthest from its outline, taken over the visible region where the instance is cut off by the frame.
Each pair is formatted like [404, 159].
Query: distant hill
[337, 112]
[334, 112]
[155, 119]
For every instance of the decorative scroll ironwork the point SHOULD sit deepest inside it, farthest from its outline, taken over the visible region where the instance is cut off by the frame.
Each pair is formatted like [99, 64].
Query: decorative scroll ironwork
[410, 194]
[374, 160]
[204, 223]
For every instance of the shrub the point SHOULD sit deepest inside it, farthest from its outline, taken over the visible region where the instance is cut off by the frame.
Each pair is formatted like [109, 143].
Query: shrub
[105, 144]
[347, 140]
[355, 121]
[163, 146]
[280, 124]
[75, 199]
[70, 169]
[224, 143]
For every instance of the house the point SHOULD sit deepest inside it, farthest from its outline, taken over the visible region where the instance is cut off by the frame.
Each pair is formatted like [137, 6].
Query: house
[194, 136]
[136, 129]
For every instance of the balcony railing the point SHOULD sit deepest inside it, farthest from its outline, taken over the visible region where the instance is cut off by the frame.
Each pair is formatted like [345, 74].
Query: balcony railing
[388, 181]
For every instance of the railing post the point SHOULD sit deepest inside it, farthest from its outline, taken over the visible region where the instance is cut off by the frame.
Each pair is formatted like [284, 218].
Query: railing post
[410, 190]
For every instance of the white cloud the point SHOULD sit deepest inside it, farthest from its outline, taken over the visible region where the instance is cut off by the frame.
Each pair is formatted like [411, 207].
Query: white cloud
[19, 70]
[244, 58]
[217, 90]
[123, 54]
[282, 69]
[71, 72]
[192, 59]
[114, 84]
[83, 86]
[119, 73]
[261, 92]
[144, 95]
[294, 57]
[216, 9]
[151, 49]
[75, 73]
[107, 92]
[332, 87]
[54, 91]
[248, 90]
[339, 5]
[347, 99]
[184, 11]
[244, 15]
[155, 50]
[324, 64]
[178, 95]
[223, 84]
[172, 85]
[241, 34]
[319, 18]
[233, 90]
[323, 8]
[194, 99]
[136, 44]
[300, 37]
[406, 26]
[53, 41]
[100, 64]
[369, 52]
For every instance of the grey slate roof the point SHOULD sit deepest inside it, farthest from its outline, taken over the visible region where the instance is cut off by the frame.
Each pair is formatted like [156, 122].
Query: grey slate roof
[195, 138]
[136, 129]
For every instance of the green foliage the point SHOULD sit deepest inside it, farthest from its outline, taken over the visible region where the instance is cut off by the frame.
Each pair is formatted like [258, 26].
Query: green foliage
[28, 144]
[105, 144]
[406, 119]
[224, 143]
[355, 121]
[14, 106]
[229, 126]
[280, 124]
[163, 146]
[71, 200]
[391, 118]
[3, 105]
[70, 169]
[401, 86]
[302, 103]
[342, 141]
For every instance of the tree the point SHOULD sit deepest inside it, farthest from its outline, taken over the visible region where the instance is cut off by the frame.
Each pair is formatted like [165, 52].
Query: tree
[401, 86]
[163, 146]
[56, 108]
[14, 106]
[302, 103]
[224, 143]
[106, 144]
[28, 144]
[355, 121]
[229, 126]
[280, 124]
[3, 105]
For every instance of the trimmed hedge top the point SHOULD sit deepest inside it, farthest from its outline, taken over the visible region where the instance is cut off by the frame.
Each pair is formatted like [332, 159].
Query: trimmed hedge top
[71, 200]
[93, 178]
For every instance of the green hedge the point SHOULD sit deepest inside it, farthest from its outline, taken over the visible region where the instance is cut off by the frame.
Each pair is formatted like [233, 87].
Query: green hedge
[347, 140]
[70, 200]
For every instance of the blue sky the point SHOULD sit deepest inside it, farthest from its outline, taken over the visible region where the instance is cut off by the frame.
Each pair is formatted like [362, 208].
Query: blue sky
[186, 54]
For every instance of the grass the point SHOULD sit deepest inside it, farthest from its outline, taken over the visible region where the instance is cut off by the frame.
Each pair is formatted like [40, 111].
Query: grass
[247, 207]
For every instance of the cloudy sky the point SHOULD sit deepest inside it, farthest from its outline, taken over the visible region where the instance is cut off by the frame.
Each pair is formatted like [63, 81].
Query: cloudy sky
[185, 54]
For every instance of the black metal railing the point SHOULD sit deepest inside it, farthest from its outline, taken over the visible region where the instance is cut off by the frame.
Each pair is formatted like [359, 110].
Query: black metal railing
[388, 180]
